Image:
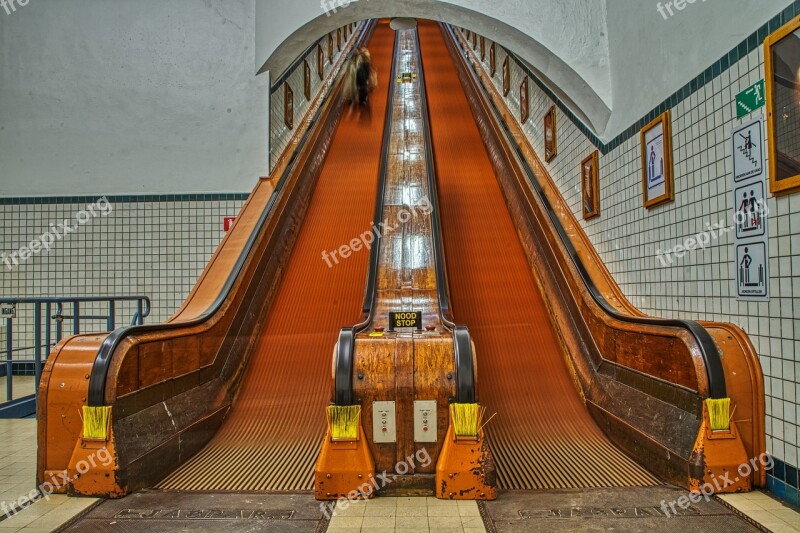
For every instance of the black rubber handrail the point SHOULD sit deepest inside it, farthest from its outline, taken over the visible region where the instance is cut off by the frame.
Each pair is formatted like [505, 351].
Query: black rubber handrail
[102, 363]
[705, 343]
[462, 342]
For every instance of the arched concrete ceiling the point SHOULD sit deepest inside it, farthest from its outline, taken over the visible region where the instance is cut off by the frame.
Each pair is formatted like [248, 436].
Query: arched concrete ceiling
[565, 42]
[611, 61]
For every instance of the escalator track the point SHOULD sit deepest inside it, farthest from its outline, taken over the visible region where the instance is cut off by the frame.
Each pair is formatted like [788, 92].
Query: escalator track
[542, 436]
[271, 437]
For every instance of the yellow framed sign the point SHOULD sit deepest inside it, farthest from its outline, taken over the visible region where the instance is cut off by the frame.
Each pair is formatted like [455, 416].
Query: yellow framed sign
[782, 69]
[656, 140]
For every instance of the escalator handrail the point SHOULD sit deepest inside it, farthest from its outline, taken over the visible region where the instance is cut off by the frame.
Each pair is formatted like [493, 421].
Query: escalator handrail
[377, 218]
[102, 362]
[345, 347]
[705, 343]
[462, 344]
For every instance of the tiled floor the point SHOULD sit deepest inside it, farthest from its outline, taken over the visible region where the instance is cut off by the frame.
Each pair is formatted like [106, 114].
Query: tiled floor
[417, 515]
[385, 514]
[765, 510]
[18, 478]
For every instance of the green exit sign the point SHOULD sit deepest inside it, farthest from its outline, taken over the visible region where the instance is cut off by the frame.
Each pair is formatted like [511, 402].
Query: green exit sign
[750, 99]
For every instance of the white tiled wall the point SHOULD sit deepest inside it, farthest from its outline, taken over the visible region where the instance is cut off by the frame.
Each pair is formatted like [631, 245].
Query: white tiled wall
[701, 285]
[152, 248]
[279, 133]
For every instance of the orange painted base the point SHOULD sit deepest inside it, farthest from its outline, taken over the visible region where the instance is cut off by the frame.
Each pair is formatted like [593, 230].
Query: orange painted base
[345, 469]
[719, 461]
[465, 470]
[93, 469]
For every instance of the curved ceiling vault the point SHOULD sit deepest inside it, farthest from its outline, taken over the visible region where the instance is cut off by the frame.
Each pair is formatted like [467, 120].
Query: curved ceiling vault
[611, 62]
[565, 43]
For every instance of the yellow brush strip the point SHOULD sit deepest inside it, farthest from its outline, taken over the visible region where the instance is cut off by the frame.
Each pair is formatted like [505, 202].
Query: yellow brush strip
[95, 422]
[719, 413]
[465, 418]
[343, 421]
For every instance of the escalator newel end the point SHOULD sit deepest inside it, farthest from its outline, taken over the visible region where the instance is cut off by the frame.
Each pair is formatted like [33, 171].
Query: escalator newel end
[345, 467]
[718, 454]
[465, 469]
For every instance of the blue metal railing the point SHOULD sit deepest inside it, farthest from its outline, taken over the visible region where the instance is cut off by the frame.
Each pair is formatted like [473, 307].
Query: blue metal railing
[49, 316]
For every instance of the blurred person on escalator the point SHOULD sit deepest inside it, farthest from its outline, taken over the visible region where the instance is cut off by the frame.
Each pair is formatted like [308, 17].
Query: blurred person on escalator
[361, 77]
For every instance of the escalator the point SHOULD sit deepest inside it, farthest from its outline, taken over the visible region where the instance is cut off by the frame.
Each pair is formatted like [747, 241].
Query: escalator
[273, 426]
[271, 438]
[230, 394]
[542, 435]
[587, 391]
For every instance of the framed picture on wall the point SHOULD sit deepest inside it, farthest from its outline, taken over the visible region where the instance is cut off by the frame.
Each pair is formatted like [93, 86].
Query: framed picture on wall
[506, 76]
[307, 80]
[483, 48]
[782, 67]
[492, 60]
[330, 48]
[550, 140]
[524, 108]
[288, 106]
[320, 62]
[656, 141]
[590, 186]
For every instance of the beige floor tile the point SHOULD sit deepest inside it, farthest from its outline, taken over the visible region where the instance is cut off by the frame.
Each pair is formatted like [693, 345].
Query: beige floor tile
[443, 511]
[412, 522]
[346, 522]
[788, 515]
[346, 509]
[468, 508]
[378, 522]
[445, 522]
[471, 521]
[409, 511]
[763, 517]
[17, 521]
[382, 502]
[380, 510]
